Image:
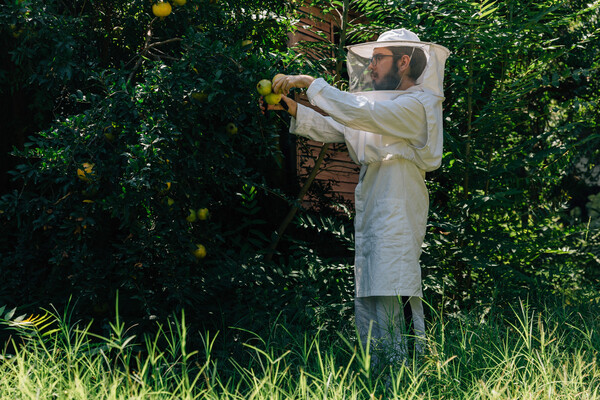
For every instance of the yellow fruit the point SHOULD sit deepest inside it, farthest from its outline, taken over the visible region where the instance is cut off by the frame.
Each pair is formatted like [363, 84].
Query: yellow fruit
[165, 189]
[85, 172]
[264, 87]
[180, 2]
[109, 133]
[231, 128]
[202, 214]
[273, 98]
[16, 32]
[191, 217]
[246, 42]
[200, 96]
[161, 9]
[200, 251]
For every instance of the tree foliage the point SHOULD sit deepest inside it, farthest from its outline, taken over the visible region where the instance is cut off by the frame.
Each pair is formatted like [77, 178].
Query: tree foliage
[140, 122]
[158, 118]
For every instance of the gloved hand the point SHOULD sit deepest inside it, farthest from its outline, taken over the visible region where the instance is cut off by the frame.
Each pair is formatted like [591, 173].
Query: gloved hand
[292, 106]
[283, 83]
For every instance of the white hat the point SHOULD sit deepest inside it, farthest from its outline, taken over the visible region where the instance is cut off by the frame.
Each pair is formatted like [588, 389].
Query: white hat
[395, 37]
[398, 34]
[433, 76]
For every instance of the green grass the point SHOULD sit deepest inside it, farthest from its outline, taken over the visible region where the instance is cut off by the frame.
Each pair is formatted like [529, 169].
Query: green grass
[525, 354]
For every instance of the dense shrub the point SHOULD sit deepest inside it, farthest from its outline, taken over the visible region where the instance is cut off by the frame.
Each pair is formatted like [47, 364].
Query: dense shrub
[160, 147]
[136, 121]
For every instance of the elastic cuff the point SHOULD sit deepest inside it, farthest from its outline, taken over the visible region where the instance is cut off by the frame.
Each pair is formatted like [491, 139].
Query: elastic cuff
[315, 87]
[296, 124]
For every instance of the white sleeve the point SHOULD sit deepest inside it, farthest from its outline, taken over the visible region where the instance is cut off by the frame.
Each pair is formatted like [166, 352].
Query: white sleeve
[310, 124]
[403, 117]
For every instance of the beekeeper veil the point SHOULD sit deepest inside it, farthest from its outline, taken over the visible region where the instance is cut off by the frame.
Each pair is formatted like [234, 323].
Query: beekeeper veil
[426, 62]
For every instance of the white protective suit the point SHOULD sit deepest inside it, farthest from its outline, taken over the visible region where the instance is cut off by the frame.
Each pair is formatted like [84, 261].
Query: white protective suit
[395, 136]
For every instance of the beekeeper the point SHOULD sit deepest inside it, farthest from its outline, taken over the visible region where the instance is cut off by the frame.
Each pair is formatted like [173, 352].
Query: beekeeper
[391, 122]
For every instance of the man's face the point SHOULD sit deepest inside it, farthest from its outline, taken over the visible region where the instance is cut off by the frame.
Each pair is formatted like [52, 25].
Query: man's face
[384, 72]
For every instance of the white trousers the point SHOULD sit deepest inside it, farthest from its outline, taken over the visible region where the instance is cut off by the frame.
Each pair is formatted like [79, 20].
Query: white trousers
[393, 321]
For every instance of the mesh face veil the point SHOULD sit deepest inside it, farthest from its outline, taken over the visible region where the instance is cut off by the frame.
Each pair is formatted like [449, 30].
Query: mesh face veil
[426, 62]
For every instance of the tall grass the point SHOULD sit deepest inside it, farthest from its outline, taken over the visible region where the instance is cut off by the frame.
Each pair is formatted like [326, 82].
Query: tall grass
[525, 354]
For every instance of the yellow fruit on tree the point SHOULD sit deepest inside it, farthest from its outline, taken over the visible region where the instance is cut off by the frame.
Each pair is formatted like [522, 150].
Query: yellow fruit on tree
[161, 9]
[191, 216]
[180, 2]
[231, 128]
[200, 96]
[273, 98]
[165, 189]
[109, 134]
[202, 214]
[85, 172]
[264, 87]
[16, 32]
[200, 251]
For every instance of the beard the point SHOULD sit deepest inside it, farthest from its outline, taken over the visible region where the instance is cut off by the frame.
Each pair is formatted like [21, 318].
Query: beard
[390, 81]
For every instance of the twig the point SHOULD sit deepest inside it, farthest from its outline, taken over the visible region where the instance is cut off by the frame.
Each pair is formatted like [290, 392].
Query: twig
[239, 66]
[146, 45]
[164, 42]
[290, 215]
[150, 46]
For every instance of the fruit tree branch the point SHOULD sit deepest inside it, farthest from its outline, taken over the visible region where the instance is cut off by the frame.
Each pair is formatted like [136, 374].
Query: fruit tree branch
[149, 46]
[290, 215]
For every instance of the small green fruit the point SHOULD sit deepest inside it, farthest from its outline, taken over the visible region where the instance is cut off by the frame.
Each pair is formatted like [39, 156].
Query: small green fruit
[165, 189]
[200, 251]
[231, 128]
[273, 98]
[200, 96]
[191, 217]
[264, 87]
[202, 214]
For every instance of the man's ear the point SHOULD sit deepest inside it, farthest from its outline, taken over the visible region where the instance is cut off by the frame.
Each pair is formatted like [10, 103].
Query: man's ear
[404, 62]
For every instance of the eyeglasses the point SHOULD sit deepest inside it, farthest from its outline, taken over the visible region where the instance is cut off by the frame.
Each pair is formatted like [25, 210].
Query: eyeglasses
[377, 57]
